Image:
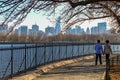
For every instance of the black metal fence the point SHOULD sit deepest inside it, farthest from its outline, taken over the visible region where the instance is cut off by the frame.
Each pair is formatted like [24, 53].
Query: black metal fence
[20, 57]
[113, 65]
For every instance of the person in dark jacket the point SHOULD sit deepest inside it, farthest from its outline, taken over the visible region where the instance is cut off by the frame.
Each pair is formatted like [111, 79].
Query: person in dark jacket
[98, 51]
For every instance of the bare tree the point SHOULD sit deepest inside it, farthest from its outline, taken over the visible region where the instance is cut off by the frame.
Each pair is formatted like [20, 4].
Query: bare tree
[72, 11]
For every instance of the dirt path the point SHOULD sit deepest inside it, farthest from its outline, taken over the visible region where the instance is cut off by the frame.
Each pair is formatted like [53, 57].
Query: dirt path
[82, 70]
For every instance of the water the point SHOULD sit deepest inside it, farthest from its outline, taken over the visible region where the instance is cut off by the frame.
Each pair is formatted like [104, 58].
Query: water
[40, 55]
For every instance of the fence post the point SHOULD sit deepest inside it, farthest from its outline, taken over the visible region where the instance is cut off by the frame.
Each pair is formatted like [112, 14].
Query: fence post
[117, 58]
[44, 53]
[83, 51]
[25, 56]
[113, 47]
[59, 52]
[11, 61]
[72, 51]
[52, 51]
[66, 51]
[36, 54]
[78, 51]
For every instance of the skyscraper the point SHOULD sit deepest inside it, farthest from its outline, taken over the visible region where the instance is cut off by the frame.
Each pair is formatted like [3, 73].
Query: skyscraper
[22, 30]
[87, 30]
[77, 29]
[57, 27]
[30, 32]
[94, 30]
[3, 28]
[16, 31]
[35, 29]
[50, 30]
[102, 27]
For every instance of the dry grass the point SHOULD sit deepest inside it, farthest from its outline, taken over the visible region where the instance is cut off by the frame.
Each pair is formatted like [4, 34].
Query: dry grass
[115, 73]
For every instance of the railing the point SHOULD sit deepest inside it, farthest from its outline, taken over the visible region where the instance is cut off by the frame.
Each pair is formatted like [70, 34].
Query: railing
[113, 65]
[20, 57]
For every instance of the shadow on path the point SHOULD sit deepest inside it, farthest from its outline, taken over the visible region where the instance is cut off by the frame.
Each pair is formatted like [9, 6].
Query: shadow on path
[82, 70]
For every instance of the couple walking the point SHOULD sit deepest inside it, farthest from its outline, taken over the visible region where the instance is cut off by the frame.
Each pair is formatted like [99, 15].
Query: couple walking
[99, 50]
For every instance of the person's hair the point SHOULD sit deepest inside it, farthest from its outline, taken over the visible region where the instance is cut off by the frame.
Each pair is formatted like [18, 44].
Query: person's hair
[98, 41]
[107, 41]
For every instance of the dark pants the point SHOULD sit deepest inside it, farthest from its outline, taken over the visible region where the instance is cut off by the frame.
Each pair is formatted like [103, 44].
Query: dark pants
[107, 58]
[107, 62]
[96, 60]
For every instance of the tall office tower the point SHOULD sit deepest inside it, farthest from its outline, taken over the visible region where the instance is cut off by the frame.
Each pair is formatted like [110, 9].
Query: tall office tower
[3, 28]
[102, 27]
[22, 30]
[35, 29]
[77, 29]
[57, 27]
[73, 31]
[94, 30]
[50, 30]
[30, 32]
[87, 30]
[82, 31]
[16, 31]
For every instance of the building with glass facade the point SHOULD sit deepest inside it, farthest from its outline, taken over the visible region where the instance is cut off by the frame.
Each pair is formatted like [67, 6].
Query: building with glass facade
[22, 30]
[57, 26]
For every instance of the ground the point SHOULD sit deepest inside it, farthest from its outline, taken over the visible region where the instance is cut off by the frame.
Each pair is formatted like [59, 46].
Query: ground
[115, 73]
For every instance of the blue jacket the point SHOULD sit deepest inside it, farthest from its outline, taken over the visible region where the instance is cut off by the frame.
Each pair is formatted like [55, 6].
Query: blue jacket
[98, 48]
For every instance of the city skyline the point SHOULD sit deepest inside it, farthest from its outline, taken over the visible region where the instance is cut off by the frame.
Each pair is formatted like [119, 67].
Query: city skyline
[85, 27]
[49, 31]
[43, 21]
[101, 27]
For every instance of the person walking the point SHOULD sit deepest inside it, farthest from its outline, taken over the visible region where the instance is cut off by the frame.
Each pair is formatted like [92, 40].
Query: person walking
[107, 50]
[98, 51]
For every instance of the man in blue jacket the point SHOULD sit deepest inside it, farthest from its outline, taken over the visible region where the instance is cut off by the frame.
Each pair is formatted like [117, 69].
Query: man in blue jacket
[98, 51]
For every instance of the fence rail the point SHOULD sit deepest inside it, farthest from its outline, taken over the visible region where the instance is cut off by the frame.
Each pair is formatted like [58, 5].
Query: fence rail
[20, 57]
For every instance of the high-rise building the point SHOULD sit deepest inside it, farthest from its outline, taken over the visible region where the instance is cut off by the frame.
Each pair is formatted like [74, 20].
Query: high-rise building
[22, 30]
[94, 30]
[50, 30]
[30, 32]
[73, 31]
[35, 29]
[3, 28]
[102, 27]
[77, 29]
[16, 31]
[87, 30]
[57, 27]
[82, 31]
